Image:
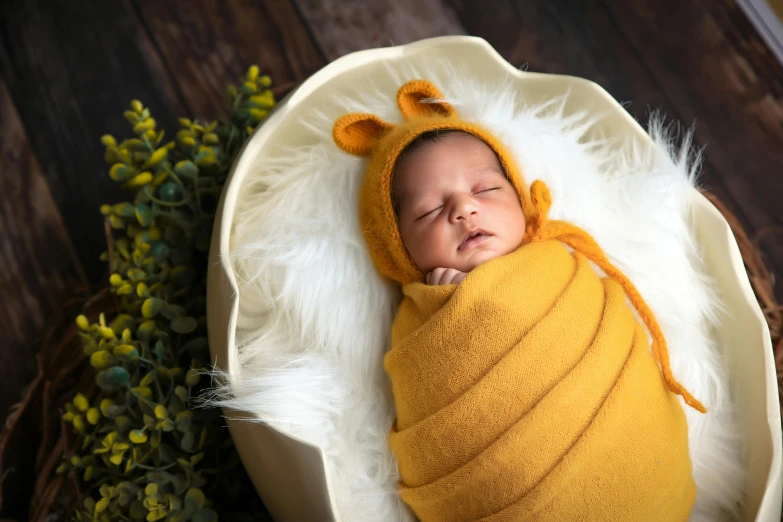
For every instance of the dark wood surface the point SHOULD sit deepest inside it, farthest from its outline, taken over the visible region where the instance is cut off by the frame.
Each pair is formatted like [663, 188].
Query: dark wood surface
[69, 69]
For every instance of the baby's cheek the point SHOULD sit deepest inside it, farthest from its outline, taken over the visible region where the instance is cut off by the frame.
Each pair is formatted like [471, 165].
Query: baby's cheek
[430, 251]
[418, 249]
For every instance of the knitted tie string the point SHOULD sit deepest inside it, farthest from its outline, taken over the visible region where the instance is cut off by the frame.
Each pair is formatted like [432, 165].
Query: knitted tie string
[539, 228]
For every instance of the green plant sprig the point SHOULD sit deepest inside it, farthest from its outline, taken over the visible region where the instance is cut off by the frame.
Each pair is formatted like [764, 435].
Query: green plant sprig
[147, 453]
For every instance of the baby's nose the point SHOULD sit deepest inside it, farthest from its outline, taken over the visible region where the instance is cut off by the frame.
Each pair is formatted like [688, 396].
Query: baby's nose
[464, 207]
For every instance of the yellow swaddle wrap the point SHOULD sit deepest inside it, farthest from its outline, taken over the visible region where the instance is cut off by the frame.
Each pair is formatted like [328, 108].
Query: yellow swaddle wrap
[528, 391]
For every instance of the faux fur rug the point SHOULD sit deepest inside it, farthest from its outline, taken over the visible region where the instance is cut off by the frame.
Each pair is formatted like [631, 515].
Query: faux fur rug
[315, 317]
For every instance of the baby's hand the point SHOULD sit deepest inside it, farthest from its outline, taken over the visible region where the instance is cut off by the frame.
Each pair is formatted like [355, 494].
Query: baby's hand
[445, 276]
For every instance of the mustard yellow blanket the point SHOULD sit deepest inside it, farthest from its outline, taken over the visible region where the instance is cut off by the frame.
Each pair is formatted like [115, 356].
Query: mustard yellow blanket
[528, 392]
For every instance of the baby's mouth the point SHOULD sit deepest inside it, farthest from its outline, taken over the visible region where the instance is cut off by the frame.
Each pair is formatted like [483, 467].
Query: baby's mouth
[473, 238]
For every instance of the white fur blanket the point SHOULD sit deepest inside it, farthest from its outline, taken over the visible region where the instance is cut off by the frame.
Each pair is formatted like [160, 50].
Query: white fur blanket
[315, 317]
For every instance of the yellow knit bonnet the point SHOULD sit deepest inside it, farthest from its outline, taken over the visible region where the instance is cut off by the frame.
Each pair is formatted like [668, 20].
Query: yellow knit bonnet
[424, 110]
[366, 135]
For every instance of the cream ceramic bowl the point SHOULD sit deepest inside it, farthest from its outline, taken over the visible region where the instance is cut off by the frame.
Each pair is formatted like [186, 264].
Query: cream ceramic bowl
[289, 473]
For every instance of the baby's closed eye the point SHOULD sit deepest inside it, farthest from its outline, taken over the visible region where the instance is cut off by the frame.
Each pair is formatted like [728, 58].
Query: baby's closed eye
[486, 190]
[479, 190]
[427, 213]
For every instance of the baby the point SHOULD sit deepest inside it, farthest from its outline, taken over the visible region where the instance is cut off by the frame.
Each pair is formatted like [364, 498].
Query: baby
[527, 391]
[455, 206]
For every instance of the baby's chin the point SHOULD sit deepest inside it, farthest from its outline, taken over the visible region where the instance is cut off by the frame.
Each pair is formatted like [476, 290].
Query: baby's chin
[476, 259]
[464, 263]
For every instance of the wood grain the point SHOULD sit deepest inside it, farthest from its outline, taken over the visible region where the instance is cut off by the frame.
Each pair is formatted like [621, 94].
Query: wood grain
[72, 69]
[38, 271]
[730, 84]
[38, 263]
[210, 45]
[352, 25]
[668, 56]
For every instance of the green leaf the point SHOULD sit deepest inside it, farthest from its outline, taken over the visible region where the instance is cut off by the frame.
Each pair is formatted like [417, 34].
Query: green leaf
[204, 515]
[148, 379]
[120, 172]
[137, 436]
[184, 325]
[160, 412]
[188, 442]
[143, 214]
[170, 192]
[151, 307]
[106, 491]
[178, 516]
[182, 394]
[186, 169]
[166, 454]
[118, 376]
[192, 377]
[159, 250]
[126, 486]
[155, 439]
[172, 310]
[114, 410]
[202, 155]
[136, 274]
[145, 331]
[89, 504]
[137, 510]
[124, 210]
[176, 404]
[123, 423]
[124, 499]
[160, 478]
[195, 459]
[102, 359]
[148, 410]
[180, 484]
[80, 402]
[184, 424]
[194, 500]
[112, 379]
[121, 322]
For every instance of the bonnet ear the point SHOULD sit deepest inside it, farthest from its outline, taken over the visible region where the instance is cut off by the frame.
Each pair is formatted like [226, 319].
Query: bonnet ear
[359, 134]
[420, 98]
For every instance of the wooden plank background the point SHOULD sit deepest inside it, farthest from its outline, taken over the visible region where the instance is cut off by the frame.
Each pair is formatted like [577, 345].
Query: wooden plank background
[69, 69]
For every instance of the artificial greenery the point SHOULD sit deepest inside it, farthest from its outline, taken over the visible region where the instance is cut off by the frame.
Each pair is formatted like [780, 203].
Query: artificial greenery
[148, 452]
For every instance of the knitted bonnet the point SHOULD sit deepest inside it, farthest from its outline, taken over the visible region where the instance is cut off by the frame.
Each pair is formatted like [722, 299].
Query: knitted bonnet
[366, 135]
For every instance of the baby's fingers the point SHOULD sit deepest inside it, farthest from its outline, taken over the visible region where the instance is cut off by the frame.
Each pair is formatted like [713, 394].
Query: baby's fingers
[452, 276]
[434, 277]
[458, 278]
[444, 276]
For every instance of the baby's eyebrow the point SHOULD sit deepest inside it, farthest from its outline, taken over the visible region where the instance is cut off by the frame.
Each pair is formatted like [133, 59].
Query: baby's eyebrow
[492, 168]
[398, 199]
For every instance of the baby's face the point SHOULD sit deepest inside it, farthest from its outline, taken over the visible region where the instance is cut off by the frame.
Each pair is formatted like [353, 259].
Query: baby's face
[456, 208]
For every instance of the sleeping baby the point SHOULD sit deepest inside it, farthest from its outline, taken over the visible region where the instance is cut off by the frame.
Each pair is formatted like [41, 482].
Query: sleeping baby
[525, 387]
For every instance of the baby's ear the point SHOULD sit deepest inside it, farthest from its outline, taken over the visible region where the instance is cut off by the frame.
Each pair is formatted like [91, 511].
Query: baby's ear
[359, 134]
[411, 96]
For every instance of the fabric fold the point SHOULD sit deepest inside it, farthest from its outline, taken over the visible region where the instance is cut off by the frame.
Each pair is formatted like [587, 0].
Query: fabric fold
[528, 392]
